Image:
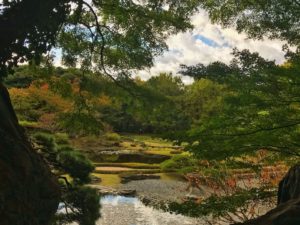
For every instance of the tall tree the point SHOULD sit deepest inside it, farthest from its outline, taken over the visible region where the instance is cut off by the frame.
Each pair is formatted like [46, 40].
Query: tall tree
[260, 110]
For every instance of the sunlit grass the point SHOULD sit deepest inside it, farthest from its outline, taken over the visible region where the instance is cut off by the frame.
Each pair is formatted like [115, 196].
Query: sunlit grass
[109, 180]
[130, 165]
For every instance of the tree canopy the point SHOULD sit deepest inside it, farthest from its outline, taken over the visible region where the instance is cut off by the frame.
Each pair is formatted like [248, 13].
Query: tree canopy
[111, 36]
[258, 18]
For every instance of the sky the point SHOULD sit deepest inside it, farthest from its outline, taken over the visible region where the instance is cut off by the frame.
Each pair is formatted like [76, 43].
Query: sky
[206, 43]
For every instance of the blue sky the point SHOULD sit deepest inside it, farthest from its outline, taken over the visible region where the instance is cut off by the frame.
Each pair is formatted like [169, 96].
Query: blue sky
[206, 43]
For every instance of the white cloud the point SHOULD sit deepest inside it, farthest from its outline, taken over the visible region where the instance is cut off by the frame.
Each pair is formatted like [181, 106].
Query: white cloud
[185, 48]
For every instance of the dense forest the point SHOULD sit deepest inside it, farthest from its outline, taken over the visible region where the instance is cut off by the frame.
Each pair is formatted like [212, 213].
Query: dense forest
[221, 150]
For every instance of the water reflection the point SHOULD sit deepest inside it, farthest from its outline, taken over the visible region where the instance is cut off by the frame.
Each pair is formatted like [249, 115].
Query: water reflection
[119, 210]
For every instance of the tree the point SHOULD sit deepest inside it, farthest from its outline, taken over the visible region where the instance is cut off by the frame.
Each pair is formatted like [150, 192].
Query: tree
[258, 18]
[260, 110]
[203, 99]
[113, 35]
[259, 113]
[81, 203]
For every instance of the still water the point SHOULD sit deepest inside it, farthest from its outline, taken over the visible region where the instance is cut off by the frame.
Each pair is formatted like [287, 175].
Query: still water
[119, 210]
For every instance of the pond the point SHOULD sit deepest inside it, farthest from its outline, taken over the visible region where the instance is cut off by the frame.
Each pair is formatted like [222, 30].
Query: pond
[119, 210]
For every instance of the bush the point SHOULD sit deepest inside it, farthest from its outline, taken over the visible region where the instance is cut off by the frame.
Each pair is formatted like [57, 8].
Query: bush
[46, 141]
[87, 200]
[75, 164]
[182, 163]
[61, 139]
[113, 136]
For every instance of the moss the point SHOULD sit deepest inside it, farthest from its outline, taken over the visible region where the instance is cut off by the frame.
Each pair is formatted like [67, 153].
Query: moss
[109, 180]
[130, 165]
[26, 123]
[110, 158]
[159, 151]
[61, 138]
[113, 136]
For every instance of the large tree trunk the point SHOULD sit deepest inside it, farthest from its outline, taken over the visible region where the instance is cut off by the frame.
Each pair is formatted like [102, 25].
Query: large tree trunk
[29, 193]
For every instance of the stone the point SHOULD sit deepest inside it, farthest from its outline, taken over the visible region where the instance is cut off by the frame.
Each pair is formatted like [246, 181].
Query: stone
[287, 211]
[95, 180]
[289, 186]
[131, 177]
[127, 192]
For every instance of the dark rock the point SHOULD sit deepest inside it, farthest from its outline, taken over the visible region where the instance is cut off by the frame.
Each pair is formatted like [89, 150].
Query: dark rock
[175, 152]
[112, 191]
[117, 144]
[127, 192]
[288, 210]
[130, 157]
[289, 186]
[95, 180]
[130, 177]
[287, 213]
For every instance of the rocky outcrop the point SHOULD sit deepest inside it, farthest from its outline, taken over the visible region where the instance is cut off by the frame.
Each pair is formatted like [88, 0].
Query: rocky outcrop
[29, 193]
[103, 190]
[288, 210]
[289, 186]
[287, 213]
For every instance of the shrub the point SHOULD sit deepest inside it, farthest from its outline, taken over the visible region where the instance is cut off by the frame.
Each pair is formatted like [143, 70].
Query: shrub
[113, 136]
[182, 163]
[61, 139]
[75, 164]
[45, 141]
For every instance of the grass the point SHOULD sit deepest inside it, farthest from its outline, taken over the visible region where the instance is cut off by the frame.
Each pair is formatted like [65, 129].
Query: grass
[150, 140]
[25, 123]
[132, 171]
[113, 136]
[109, 180]
[160, 151]
[130, 165]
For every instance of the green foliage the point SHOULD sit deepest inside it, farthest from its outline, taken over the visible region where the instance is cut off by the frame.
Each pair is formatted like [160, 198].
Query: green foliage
[62, 138]
[112, 42]
[203, 99]
[220, 206]
[46, 142]
[259, 111]
[26, 40]
[75, 164]
[86, 201]
[166, 85]
[112, 136]
[69, 160]
[182, 163]
[25, 123]
[80, 123]
[258, 18]
[83, 202]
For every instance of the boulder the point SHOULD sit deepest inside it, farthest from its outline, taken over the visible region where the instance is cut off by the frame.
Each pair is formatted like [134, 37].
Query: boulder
[287, 211]
[130, 177]
[127, 192]
[289, 186]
